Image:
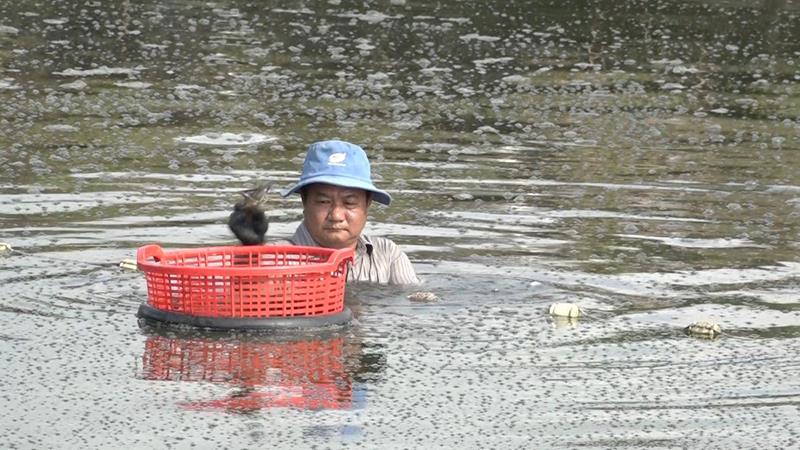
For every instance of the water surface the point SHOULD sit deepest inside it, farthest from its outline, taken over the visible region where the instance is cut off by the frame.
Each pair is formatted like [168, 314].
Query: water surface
[640, 159]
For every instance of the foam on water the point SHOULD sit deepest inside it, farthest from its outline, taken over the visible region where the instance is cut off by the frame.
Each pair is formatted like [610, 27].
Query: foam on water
[226, 138]
[697, 242]
[100, 71]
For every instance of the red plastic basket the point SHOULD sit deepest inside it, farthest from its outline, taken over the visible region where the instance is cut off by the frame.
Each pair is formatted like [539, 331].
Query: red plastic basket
[246, 282]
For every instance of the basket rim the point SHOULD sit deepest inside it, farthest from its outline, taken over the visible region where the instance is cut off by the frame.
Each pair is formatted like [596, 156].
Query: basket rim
[148, 260]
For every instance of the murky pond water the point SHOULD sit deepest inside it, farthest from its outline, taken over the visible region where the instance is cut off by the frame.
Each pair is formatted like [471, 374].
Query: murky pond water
[640, 159]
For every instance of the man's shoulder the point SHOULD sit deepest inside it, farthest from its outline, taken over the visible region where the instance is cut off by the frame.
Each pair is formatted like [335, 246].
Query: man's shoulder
[385, 247]
[393, 259]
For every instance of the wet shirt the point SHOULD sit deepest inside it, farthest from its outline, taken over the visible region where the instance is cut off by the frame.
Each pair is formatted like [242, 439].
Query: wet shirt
[377, 259]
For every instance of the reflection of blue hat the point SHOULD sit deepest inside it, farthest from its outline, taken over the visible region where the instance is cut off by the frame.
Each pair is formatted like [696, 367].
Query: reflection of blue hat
[341, 164]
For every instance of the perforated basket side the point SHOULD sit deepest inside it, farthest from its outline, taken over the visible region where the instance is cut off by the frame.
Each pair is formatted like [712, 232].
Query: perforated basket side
[182, 282]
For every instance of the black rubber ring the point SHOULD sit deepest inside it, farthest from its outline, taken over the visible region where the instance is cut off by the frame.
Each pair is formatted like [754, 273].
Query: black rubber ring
[147, 312]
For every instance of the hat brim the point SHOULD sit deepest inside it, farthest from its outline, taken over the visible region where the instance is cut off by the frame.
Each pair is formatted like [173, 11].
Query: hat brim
[378, 195]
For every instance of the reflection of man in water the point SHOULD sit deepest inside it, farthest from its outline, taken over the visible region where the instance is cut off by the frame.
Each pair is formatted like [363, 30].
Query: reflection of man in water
[337, 190]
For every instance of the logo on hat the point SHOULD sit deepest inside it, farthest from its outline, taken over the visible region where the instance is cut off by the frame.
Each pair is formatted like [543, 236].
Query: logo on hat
[337, 159]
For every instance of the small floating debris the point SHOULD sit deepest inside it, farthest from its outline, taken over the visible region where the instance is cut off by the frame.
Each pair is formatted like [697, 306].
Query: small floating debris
[77, 85]
[129, 264]
[423, 297]
[565, 310]
[100, 71]
[227, 139]
[680, 70]
[486, 129]
[588, 66]
[188, 87]
[487, 61]
[60, 128]
[5, 29]
[463, 197]
[56, 21]
[746, 102]
[672, 86]
[8, 85]
[133, 84]
[705, 329]
[5, 247]
[406, 125]
[518, 79]
[478, 37]
[371, 17]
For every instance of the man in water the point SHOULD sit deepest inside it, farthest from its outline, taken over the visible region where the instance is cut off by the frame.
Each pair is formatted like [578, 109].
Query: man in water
[336, 189]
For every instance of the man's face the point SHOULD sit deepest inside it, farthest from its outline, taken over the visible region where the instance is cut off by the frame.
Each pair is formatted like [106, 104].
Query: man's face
[335, 216]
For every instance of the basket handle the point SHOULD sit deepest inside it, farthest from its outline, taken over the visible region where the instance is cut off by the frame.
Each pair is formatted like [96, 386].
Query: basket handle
[149, 251]
[342, 255]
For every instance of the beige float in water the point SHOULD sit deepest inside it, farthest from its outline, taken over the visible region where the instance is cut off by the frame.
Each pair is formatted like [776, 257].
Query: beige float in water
[565, 310]
[704, 328]
[423, 297]
[563, 322]
[129, 264]
[5, 247]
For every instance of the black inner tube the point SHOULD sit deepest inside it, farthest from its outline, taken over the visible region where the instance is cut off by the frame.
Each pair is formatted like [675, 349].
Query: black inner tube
[148, 313]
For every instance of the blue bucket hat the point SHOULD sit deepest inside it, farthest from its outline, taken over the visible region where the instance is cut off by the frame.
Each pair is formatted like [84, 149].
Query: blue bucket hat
[341, 164]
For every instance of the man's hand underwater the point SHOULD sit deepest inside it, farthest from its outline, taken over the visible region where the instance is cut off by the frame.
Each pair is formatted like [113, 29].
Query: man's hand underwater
[248, 221]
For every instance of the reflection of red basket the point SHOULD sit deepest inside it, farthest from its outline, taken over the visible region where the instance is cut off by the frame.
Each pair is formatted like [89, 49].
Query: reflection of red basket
[246, 282]
[302, 374]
